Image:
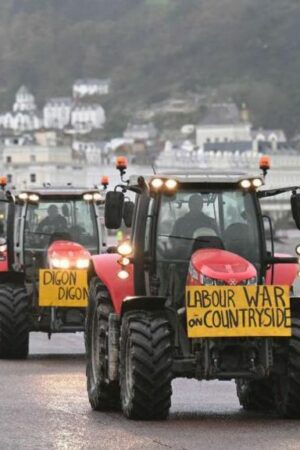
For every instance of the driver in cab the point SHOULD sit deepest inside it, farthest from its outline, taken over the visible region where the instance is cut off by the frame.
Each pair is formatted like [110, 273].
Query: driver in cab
[53, 222]
[195, 219]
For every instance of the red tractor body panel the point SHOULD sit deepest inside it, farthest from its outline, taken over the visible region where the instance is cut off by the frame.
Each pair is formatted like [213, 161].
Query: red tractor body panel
[72, 251]
[107, 267]
[220, 265]
[284, 274]
[3, 262]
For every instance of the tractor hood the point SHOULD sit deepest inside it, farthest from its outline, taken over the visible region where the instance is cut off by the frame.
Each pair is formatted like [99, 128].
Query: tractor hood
[220, 265]
[68, 255]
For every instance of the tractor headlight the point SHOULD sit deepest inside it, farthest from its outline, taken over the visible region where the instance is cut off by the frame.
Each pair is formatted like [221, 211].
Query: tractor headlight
[257, 182]
[245, 184]
[123, 274]
[88, 197]
[23, 196]
[156, 183]
[58, 263]
[124, 261]
[33, 198]
[82, 263]
[125, 249]
[171, 184]
[97, 197]
[3, 248]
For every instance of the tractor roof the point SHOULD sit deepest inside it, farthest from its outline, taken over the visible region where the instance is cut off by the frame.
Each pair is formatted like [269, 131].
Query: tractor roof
[60, 191]
[203, 177]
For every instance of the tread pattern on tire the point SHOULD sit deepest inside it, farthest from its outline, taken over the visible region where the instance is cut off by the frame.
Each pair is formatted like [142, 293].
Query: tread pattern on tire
[150, 351]
[256, 395]
[288, 388]
[103, 394]
[14, 322]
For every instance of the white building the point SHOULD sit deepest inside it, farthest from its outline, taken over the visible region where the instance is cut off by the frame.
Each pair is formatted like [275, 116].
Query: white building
[21, 121]
[91, 86]
[222, 123]
[95, 152]
[274, 138]
[24, 116]
[57, 112]
[30, 165]
[141, 132]
[24, 101]
[87, 117]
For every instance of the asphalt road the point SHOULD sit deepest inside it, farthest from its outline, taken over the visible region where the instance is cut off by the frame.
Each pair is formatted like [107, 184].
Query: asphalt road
[44, 405]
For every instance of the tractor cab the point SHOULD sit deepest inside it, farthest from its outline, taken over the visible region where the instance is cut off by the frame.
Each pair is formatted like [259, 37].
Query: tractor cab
[47, 217]
[198, 225]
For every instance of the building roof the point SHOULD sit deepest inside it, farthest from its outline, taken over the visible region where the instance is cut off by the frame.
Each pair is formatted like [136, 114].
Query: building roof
[23, 91]
[241, 146]
[54, 101]
[280, 134]
[87, 106]
[140, 127]
[222, 114]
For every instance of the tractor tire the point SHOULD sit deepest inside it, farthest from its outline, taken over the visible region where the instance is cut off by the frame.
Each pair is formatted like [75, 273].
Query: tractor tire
[14, 322]
[145, 366]
[287, 386]
[103, 394]
[255, 395]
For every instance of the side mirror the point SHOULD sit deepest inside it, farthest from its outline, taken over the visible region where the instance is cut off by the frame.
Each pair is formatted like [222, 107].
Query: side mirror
[128, 213]
[114, 202]
[295, 205]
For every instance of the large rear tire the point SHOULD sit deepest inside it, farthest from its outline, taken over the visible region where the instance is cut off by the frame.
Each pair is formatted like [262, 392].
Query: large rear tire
[103, 394]
[255, 395]
[14, 322]
[145, 366]
[287, 386]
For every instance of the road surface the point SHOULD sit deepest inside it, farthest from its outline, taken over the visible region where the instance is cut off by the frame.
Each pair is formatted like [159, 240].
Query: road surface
[44, 405]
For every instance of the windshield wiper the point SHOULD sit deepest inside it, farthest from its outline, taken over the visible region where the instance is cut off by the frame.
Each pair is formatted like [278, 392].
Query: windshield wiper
[205, 239]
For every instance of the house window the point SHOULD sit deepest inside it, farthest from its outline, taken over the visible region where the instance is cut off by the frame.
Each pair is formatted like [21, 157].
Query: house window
[32, 177]
[32, 158]
[9, 177]
[8, 159]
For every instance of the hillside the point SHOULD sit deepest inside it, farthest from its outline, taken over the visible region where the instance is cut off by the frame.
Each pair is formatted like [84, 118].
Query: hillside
[248, 49]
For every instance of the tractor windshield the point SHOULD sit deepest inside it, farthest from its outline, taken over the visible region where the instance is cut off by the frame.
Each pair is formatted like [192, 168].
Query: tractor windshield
[73, 220]
[191, 220]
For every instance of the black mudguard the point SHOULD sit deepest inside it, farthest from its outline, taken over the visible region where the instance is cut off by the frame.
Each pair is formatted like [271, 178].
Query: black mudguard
[295, 307]
[143, 303]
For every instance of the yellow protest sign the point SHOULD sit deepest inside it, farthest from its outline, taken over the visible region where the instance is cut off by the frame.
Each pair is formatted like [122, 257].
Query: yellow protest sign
[65, 288]
[238, 311]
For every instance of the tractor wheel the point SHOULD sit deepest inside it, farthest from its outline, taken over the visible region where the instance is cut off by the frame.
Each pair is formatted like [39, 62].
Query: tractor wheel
[255, 395]
[145, 366]
[103, 394]
[14, 322]
[287, 386]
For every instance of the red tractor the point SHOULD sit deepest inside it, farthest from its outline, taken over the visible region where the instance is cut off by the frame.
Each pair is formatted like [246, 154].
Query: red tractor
[195, 293]
[47, 240]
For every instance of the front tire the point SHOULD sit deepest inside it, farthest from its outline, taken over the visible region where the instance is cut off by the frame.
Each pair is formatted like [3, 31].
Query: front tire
[14, 322]
[255, 395]
[103, 394]
[287, 387]
[145, 366]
